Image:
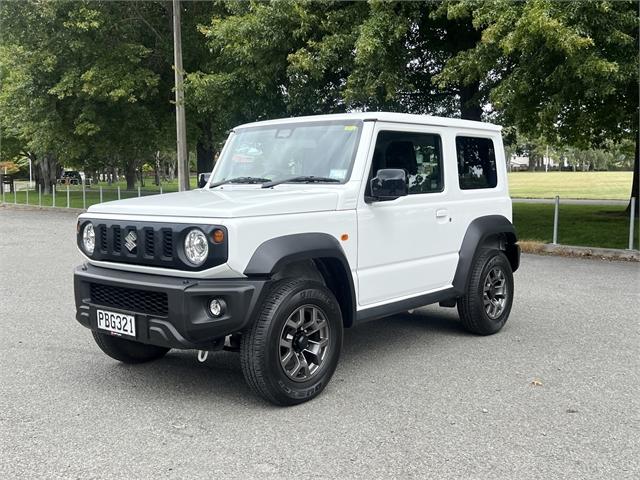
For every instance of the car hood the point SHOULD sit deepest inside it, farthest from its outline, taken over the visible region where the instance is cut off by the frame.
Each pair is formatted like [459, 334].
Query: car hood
[227, 203]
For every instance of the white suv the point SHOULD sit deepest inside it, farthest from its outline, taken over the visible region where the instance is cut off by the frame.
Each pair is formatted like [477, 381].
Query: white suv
[306, 226]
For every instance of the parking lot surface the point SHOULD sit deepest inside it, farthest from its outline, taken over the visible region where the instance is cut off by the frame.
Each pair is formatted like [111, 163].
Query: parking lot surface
[556, 394]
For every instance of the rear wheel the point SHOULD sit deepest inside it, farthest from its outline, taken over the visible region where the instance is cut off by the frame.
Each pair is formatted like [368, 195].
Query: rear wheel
[292, 349]
[128, 351]
[486, 305]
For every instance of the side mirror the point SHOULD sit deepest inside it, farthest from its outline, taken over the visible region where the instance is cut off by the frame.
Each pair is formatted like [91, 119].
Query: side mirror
[389, 184]
[201, 181]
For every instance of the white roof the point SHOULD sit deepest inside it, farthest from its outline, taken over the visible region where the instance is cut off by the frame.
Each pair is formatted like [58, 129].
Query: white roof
[383, 117]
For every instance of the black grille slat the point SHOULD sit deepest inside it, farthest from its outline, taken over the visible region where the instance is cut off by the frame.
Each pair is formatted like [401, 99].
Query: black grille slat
[149, 242]
[143, 301]
[103, 238]
[167, 243]
[117, 239]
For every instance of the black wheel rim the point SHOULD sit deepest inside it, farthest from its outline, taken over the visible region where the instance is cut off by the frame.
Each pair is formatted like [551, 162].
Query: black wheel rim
[304, 342]
[495, 292]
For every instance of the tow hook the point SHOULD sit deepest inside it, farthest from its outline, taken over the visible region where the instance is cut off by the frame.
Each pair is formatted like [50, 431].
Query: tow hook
[202, 355]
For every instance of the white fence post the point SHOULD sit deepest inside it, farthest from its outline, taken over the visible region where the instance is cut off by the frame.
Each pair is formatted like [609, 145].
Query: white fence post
[68, 197]
[84, 196]
[27, 192]
[632, 220]
[39, 194]
[53, 202]
[160, 189]
[138, 190]
[100, 193]
[555, 220]
[118, 192]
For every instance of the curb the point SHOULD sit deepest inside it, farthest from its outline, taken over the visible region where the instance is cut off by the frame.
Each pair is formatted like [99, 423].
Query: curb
[22, 206]
[582, 252]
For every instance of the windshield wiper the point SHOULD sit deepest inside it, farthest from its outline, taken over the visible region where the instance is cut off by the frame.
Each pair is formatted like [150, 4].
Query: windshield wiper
[249, 180]
[301, 179]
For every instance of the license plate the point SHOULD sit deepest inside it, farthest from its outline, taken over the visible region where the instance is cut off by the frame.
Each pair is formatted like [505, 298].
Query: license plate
[116, 323]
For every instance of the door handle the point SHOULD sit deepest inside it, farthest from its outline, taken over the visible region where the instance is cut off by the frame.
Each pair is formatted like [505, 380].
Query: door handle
[442, 213]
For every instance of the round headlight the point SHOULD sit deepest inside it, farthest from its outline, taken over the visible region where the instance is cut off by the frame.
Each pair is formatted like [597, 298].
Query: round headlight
[196, 247]
[88, 239]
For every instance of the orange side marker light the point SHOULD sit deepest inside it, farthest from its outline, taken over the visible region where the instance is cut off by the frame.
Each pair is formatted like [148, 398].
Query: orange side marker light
[218, 236]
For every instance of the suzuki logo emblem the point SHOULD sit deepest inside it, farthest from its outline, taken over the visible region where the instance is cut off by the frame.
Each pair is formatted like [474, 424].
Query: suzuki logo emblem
[130, 241]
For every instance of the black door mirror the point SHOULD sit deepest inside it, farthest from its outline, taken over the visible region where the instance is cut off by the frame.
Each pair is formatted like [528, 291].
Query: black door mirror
[202, 180]
[389, 184]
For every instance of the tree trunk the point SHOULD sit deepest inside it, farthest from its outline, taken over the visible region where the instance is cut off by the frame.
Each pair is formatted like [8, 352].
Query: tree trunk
[156, 168]
[130, 175]
[470, 108]
[47, 168]
[636, 178]
[204, 148]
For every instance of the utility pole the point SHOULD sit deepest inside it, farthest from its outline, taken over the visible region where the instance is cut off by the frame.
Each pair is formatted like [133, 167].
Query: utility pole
[181, 128]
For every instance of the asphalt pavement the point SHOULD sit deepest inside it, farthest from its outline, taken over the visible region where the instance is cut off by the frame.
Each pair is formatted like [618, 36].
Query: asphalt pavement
[556, 394]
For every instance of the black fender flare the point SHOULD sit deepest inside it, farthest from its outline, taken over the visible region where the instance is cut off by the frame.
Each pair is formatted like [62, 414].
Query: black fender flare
[274, 253]
[477, 233]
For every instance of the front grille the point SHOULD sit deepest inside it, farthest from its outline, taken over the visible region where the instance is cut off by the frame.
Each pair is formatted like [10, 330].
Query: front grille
[151, 246]
[143, 301]
[156, 244]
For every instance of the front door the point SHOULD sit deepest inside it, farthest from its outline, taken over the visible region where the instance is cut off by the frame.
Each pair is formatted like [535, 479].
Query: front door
[404, 245]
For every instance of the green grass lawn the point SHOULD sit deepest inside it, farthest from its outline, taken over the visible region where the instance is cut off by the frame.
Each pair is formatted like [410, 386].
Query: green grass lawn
[582, 225]
[592, 185]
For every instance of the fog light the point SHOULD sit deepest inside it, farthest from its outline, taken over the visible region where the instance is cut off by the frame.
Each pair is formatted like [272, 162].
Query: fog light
[216, 307]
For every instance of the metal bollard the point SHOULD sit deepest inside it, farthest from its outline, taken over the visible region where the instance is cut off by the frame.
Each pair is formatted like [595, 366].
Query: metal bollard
[100, 193]
[84, 197]
[53, 201]
[118, 192]
[632, 220]
[15, 195]
[555, 221]
[27, 192]
[138, 190]
[68, 198]
[39, 194]
[160, 189]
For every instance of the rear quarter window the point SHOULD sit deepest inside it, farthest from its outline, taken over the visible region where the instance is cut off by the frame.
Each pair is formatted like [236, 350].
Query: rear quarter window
[476, 163]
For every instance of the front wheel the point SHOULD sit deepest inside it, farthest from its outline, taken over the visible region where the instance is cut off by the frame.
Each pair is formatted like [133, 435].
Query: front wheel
[127, 351]
[292, 349]
[486, 305]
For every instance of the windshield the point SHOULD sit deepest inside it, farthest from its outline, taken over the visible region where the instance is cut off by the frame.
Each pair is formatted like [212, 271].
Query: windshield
[278, 152]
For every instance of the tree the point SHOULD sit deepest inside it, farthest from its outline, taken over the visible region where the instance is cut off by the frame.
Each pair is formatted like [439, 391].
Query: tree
[81, 83]
[565, 71]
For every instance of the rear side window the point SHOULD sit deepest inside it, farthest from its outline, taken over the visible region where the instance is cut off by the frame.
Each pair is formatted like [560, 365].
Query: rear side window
[476, 163]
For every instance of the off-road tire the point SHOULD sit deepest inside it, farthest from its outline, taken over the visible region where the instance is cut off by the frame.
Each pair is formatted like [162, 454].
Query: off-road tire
[260, 350]
[127, 351]
[471, 307]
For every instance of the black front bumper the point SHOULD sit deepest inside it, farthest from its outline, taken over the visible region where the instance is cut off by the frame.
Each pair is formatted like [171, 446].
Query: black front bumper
[169, 311]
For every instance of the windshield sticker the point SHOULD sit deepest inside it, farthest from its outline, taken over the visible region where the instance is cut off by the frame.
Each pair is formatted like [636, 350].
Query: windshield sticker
[338, 173]
[350, 128]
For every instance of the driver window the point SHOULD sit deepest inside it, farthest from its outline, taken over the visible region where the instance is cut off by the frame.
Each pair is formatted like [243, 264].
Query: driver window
[418, 154]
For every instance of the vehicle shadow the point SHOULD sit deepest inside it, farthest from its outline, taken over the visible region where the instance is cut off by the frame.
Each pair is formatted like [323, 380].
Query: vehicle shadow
[220, 376]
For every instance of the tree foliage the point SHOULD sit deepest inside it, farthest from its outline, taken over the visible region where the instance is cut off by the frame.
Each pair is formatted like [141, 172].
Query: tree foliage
[89, 83]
